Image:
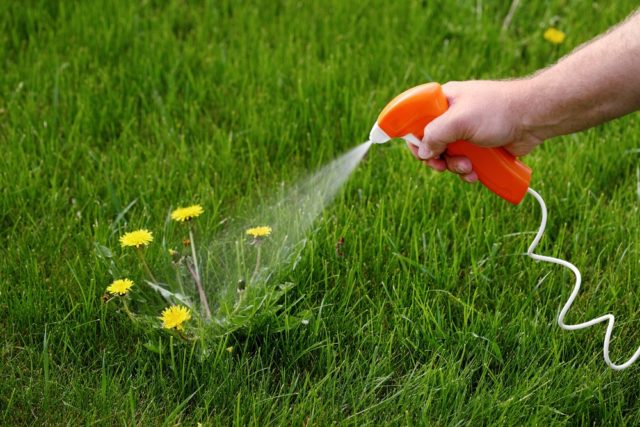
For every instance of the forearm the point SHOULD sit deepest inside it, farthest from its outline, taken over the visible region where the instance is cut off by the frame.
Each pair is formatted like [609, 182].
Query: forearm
[596, 83]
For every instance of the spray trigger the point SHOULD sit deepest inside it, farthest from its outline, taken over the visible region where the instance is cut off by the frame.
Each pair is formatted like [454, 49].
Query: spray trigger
[411, 139]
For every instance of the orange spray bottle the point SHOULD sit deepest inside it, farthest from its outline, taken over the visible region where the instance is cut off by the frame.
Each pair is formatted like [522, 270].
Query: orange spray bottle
[407, 115]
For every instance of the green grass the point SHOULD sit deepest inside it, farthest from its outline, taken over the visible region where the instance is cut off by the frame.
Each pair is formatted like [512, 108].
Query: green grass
[431, 317]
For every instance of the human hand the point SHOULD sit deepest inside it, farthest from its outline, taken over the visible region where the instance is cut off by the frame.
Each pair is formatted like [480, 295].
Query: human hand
[485, 113]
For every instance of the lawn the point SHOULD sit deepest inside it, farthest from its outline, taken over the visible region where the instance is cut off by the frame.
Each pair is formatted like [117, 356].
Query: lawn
[113, 112]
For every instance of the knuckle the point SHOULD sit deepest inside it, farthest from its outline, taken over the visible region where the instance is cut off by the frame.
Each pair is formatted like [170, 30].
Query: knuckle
[450, 87]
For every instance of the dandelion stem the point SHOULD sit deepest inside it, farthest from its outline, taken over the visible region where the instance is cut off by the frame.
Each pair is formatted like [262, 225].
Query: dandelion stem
[195, 272]
[239, 301]
[176, 267]
[145, 266]
[179, 279]
[173, 357]
[126, 309]
[193, 252]
[182, 335]
[201, 294]
[257, 268]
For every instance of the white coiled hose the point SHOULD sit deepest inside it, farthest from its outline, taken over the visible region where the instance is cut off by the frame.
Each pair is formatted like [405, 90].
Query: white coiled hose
[576, 288]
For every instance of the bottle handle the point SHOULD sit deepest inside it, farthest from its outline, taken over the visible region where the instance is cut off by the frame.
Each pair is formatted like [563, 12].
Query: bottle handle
[407, 115]
[499, 171]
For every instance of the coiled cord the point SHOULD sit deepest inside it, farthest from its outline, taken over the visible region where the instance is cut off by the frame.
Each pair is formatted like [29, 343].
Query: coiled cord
[576, 288]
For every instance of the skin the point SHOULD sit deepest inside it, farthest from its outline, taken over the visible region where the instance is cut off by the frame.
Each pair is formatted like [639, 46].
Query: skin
[597, 82]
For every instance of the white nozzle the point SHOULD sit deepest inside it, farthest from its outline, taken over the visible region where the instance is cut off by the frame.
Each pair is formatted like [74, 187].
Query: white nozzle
[377, 135]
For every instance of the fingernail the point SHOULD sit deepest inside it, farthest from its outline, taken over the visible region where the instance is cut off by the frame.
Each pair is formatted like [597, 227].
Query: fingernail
[463, 167]
[471, 177]
[424, 152]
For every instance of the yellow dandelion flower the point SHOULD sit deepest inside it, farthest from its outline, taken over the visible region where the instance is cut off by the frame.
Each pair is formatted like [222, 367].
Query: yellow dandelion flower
[175, 316]
[257, 232]
[185, 214]
[120, 287]
[136, 238]
[553, 35]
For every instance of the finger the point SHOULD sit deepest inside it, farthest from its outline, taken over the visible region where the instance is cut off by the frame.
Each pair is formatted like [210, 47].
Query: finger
[459, 164]
[451, 90]
[443, 130]
[414, 150]
[471, 177]
[424, 152]
[436, 164]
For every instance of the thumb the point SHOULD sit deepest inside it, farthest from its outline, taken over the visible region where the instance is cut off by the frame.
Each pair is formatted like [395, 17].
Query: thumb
[441, 131]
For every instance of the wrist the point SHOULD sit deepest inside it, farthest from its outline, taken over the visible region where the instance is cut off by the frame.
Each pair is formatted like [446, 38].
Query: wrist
[531, 107]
